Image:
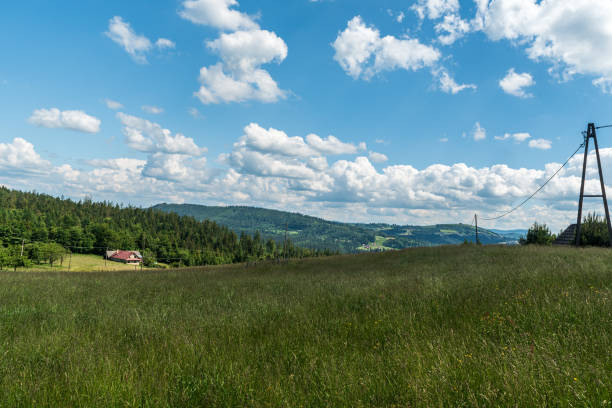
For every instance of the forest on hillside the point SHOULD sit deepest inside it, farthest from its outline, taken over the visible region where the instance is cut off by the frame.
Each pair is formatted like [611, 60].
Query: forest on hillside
[304, 230]
[41, 228]
[313, 232]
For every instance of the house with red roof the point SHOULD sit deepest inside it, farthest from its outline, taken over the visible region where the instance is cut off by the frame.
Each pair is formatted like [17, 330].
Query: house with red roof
[127, 257]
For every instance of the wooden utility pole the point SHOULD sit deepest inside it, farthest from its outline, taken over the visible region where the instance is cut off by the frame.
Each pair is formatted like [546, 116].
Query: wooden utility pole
[69, 261]
[144, 247]
[476, 222]
[22, 244]
[285, 244]
[591, 133]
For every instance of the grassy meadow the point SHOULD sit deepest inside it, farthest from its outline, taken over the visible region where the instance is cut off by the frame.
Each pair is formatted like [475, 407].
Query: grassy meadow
[81, 263]
[458, 326]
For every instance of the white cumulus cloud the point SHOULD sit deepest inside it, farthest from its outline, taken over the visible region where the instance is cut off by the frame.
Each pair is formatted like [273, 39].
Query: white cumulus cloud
[243, 49]
[118, 163]
[542, 144]
[266, 165]
[573, 35]
[479, 133]
[136, 45]
[150, 137]
[163, 43]
[434, 9]
[70, 119]
[114, 105]
[331, 145]
[176, 168]
[19, 156]
[518, 137]
[448, 84]
[238, 77]
[122, 33]
[452, 28]
[363, 53]
[514, 83]
[217, 13]
[277, 142]
[274, 141]
[154, 110]
[272, 153]
[378, 157]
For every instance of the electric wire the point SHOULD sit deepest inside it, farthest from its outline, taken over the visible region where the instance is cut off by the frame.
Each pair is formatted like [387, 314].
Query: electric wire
[538, 190]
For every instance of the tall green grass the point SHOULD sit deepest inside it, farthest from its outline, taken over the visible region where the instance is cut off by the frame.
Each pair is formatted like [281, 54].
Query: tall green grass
[454, 326]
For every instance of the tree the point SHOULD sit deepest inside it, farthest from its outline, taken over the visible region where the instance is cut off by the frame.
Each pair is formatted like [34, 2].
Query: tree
[538, 234]
[56, 253]
[105, 237]
[35, 252]
[15, 259]
[19, 262]
[149, 258]
[4, 257]
[90, 227]
[271, 248]
[594, 231]
[49, 252]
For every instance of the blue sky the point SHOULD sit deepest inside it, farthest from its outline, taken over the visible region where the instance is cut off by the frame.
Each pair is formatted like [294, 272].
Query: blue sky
[436, 108]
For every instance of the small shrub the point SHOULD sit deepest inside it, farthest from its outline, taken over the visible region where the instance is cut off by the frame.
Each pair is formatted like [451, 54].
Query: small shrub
[538, 234]
[594, 231]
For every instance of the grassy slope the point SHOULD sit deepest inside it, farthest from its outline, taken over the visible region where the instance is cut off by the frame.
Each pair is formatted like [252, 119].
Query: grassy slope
[447, 326]
[83, 263]
[378, 244]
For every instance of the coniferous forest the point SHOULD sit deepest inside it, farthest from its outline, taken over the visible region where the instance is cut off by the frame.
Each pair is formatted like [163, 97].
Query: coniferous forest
[41, 228]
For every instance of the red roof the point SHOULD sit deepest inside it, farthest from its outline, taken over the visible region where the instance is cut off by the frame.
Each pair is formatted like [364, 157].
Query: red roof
[125, 255]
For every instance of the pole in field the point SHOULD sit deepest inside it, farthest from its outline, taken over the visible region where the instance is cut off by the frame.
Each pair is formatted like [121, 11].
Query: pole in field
[476, 223]
[591, 133]
[285, 243]
[144, 248]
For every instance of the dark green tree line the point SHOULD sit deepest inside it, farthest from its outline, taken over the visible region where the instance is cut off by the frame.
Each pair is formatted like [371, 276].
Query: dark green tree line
[88, 227]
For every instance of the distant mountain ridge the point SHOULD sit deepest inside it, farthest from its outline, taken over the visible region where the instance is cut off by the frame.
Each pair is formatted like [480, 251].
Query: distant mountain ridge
[514, 234]
[312, 232]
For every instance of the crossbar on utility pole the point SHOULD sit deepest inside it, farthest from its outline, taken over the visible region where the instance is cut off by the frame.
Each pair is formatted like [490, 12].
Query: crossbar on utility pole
[591, 133]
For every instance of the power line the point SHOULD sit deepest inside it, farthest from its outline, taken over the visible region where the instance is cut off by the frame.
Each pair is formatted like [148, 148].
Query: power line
[538, 190]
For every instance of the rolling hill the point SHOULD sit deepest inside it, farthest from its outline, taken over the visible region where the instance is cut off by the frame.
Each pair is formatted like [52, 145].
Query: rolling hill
[38, 227]
[312, 232]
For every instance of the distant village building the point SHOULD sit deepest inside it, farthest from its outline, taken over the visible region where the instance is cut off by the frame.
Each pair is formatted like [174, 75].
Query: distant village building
[127, 257]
